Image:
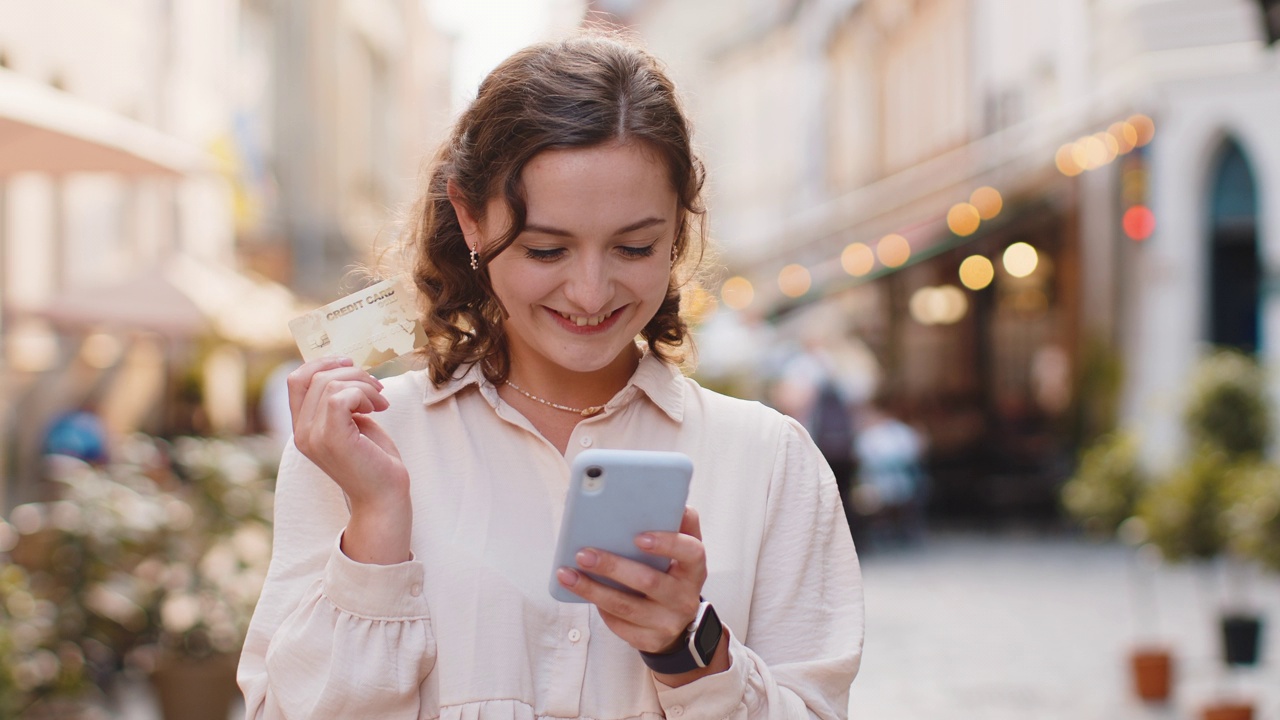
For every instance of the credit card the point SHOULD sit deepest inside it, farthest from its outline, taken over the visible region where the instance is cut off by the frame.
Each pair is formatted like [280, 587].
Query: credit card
[371, 326]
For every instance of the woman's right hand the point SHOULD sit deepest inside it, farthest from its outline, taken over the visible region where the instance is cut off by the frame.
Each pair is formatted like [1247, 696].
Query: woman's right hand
[331, 402]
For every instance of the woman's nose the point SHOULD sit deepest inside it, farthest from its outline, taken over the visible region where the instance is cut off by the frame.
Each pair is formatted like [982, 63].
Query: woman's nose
[590, 285]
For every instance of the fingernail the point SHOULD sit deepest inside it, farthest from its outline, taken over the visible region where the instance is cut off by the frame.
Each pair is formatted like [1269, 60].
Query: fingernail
[346, 361]
[645, 540]
[587, 558]
[567, 577]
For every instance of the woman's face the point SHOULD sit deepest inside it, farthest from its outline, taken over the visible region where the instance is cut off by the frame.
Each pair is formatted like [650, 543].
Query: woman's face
[593, 263]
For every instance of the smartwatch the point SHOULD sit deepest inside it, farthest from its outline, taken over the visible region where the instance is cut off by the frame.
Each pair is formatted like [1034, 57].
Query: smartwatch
[695, 650]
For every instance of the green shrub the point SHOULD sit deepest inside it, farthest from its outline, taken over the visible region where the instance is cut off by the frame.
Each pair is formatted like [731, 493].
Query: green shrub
[1228, 406]
[1104, 490]
[1254, 515]
[1185, 515]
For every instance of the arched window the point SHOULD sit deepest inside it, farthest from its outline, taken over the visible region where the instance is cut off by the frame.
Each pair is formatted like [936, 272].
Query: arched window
[1234, 267]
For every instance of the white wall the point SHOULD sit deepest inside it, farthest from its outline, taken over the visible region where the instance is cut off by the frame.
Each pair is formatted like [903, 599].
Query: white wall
[1172, 303]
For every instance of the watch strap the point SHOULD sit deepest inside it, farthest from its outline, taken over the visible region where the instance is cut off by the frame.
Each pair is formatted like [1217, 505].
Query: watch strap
[686, 657]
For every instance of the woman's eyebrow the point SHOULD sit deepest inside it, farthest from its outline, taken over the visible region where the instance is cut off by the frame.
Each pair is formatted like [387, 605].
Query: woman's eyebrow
[638, 225]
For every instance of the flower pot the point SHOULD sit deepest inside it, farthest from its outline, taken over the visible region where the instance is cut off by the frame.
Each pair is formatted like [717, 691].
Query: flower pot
[1152, 673]
[1241, 635]
[1227, 711]
[191, 689]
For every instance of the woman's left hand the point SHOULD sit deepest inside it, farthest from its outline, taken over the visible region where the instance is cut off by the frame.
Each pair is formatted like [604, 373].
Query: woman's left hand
[658, 619]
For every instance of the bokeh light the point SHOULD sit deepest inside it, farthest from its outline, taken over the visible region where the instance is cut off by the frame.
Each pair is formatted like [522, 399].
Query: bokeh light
[1126, 136]
[942, 305]
[988, 202]
[1020, 259]
[1110, 143]
[101, 350]
[963, 219]
[977, 272]
[737, 293]
[1095, 152]
[1066, 161]
[1139, 222]
[32, 347]
[893, 250]
[794, 280]
[1133, 186]
[696, 304]
[857, 259]
[1080, 154]
[1145, 128]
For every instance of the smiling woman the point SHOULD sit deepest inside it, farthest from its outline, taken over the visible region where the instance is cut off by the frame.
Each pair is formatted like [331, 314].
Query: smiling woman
[592, 266]
[415, 521]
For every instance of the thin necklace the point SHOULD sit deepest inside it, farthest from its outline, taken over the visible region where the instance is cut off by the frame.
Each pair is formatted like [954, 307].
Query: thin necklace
[584, 412]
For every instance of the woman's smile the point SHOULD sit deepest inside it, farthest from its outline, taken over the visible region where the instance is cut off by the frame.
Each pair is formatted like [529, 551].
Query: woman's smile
[587, 324]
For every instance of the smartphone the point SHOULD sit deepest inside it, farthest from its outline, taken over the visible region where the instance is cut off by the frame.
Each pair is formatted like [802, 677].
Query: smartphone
[614, 495]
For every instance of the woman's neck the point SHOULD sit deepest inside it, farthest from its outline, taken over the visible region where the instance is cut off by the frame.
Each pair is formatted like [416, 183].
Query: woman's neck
[574, 389]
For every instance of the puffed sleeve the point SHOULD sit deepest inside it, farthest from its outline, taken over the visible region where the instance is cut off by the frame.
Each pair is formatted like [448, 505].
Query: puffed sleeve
[331, 637]
[802, 648]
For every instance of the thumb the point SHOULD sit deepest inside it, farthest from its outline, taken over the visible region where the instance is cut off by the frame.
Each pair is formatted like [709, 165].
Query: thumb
[373, 431]
[690, 524]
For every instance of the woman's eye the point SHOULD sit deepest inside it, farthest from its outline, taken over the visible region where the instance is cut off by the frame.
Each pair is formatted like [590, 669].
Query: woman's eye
[543, 254]
[637, 252]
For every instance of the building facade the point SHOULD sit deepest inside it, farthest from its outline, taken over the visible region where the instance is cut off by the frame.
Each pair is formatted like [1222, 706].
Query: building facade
[868, 157]
[161, 163]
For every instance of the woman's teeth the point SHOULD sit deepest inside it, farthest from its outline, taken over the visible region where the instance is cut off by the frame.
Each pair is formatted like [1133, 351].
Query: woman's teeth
[584, 320]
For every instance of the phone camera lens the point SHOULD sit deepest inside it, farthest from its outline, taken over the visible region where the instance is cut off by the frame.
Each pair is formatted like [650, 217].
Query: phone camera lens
[594, 472]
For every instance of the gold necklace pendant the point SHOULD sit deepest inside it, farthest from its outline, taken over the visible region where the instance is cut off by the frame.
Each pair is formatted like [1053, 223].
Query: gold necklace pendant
[584, 412]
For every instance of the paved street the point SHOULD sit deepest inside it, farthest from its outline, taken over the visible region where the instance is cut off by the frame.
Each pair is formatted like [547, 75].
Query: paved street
[1029, 628]
[988, 628]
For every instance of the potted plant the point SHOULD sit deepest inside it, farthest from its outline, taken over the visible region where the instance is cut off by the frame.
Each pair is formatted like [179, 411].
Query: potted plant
[154, 563]
[1102, 496]
[204, 612]
[1196, 512]
[1254, 521]
[1228, 410]
[217, 567]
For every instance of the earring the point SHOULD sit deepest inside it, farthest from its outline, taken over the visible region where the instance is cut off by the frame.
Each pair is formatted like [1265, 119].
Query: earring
[673, 253]
[475, 258]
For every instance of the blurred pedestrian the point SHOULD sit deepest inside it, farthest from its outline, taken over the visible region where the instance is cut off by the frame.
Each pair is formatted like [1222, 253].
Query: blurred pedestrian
[415, 521]
[79, 434]
[892, 483]
[811, 392]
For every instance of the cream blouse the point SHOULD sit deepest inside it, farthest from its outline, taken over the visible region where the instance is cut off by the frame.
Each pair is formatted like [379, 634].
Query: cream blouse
[467, 629]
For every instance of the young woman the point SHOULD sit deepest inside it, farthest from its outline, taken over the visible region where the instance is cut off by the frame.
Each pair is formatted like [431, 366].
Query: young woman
[416, 520]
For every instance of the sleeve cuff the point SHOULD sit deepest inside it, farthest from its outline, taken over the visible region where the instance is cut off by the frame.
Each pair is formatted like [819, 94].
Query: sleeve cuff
[713, 697]
[383, 592]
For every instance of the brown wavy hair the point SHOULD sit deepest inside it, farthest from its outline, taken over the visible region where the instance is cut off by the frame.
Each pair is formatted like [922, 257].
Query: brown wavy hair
[584, 91]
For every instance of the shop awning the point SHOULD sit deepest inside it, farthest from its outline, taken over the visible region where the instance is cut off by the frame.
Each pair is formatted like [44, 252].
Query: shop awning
[45, 130]
[183, 297]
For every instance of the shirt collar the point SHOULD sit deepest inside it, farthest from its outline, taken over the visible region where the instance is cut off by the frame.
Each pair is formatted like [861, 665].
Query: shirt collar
[659, 380]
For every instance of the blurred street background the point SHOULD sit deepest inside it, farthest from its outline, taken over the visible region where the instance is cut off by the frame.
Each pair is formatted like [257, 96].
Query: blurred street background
[1011, 262]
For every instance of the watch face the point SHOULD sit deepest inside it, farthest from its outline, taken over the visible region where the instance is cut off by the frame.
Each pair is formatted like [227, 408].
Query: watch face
[708, 635]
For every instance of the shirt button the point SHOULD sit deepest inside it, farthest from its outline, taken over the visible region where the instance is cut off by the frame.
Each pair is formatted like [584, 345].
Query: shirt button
[677, 710]
[415, 590]
[575, 635]
[585, 441]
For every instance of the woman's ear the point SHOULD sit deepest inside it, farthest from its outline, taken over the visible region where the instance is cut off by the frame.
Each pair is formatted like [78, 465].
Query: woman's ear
[466, 220]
